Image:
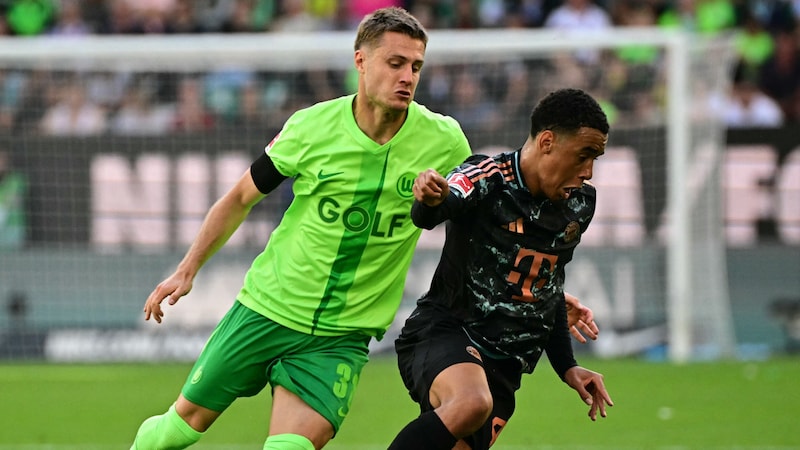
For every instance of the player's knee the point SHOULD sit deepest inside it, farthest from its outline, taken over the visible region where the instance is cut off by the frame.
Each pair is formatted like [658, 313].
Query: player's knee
[475, 408]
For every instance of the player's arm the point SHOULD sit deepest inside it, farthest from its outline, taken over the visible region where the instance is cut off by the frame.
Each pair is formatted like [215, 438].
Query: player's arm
[437, 198]
[432, 200]
[588, 384]
[559, 346]
[222, 220]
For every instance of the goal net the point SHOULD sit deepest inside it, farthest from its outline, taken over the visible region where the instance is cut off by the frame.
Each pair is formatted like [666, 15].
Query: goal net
[117, 146]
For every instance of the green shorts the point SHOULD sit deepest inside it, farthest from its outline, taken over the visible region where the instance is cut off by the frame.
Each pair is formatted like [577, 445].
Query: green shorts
[247, 350]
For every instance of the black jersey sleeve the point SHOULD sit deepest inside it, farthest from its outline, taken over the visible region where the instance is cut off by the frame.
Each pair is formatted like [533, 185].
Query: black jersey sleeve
[469, 183]
[559, 346]
[428, 217]
[265, 174]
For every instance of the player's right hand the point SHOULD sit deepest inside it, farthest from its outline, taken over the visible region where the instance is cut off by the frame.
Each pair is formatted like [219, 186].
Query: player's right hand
[171, 289]
[430, 188]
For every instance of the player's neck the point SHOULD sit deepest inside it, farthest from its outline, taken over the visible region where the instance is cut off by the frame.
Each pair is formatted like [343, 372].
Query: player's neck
[379, 124]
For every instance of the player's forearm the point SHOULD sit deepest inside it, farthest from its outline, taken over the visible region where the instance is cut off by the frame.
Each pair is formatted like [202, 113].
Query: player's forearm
[559, 346]
[222, 220]
[428, 217]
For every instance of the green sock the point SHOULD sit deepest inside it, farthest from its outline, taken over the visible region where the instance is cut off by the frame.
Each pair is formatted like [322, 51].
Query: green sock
[165, 432]
[288, 442]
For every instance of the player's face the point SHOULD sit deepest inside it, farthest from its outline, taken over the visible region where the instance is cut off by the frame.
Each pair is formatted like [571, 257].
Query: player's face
[568, 161]
[390, 71]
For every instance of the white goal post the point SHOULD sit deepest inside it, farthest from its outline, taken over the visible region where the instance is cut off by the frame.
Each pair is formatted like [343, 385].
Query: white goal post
[676, 296]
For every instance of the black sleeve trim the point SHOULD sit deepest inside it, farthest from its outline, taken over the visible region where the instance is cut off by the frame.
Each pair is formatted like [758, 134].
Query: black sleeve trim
[265, 175]
[559, 346]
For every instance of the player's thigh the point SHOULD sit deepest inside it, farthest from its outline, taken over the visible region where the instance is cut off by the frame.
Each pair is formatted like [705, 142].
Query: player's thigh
[235, 358]
[324, 374]
[428, 348]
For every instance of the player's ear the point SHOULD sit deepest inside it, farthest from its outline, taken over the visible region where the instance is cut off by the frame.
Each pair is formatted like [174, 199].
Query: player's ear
[545, 140]
[358, 60]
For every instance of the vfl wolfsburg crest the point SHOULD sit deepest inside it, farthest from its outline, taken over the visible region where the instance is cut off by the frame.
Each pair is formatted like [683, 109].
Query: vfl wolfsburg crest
[405, 184]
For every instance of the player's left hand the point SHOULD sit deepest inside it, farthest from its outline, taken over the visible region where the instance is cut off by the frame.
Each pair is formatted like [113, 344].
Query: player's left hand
[580, 320]
[591, 388]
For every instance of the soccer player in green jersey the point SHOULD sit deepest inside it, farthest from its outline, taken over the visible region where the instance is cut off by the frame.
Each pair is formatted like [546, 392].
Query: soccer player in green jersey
[331, 276]
[497, 299]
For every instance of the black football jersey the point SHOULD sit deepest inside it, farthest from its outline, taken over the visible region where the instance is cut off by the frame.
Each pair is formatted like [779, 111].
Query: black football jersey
[502, 267]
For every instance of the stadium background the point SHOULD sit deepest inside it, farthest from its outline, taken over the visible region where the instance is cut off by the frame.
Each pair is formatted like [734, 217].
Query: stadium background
[54, 218]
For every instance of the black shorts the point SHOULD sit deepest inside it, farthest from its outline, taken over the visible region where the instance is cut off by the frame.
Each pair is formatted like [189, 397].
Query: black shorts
[431, 342]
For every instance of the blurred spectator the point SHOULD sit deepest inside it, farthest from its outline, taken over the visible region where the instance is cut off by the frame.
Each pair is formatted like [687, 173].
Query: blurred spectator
[775, 14]
[634, 13]
[703, 16]
[476, 113]
[425, 12]
[491, 13]
[435, 87]
[162, 7]
[30, 17]
[69, 21]
[12, 88]
[106, 88]
[753, 44]
[140, 114]
[252, 115]
[223, 90]
[628, 73]
[465, 15]
[527, 13]
[154, 21]
[679, 14]
[248, 16]
[191, 113]
[183, 19]
[325, 9]
[120, 19]
[32, 100]
[296, 18]
[748, 106]
[580, 16]
[779, 76]
[73, 114]
[509, 83]
[13, 189]
[94, 13]
[715, 16]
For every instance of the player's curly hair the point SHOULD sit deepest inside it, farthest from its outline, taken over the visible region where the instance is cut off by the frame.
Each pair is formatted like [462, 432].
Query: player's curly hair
[566, 111]
[392, 18]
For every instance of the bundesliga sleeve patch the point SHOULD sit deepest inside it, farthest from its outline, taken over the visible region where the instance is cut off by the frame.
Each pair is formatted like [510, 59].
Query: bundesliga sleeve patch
[461, 183]
[271, 143]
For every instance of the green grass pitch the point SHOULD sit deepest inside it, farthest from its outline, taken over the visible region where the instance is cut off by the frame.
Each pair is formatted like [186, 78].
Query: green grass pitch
[720, 405]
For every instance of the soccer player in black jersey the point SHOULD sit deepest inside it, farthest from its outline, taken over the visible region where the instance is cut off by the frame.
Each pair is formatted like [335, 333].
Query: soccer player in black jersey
[497, 300]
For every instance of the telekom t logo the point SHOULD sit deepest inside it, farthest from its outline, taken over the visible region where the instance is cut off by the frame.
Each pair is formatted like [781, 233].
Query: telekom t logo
[524, 278]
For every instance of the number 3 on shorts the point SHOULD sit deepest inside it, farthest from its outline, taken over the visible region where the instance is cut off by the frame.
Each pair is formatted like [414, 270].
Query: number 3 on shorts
[341, 388]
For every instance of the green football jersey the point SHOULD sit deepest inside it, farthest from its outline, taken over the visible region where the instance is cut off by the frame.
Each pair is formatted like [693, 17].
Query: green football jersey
[338, 260]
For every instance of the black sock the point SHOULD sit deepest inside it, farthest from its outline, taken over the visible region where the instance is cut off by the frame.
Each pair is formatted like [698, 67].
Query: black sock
[426, 432]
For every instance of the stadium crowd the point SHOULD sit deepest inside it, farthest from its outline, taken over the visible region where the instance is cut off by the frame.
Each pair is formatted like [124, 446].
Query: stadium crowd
[765, 91]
